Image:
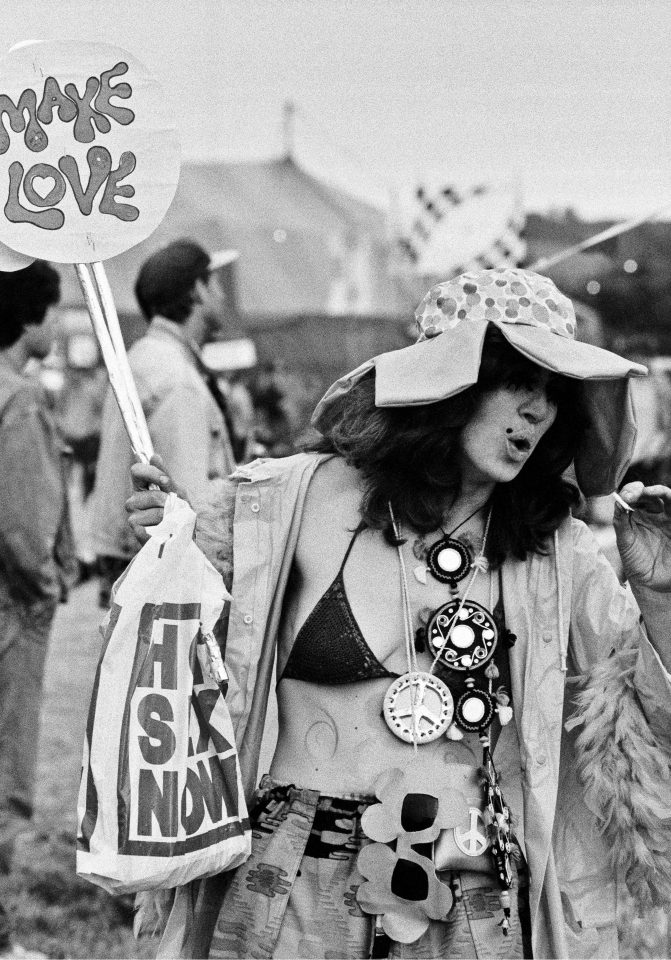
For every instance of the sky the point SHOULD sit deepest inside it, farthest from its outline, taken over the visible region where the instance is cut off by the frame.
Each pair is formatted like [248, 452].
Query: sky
[567, 102]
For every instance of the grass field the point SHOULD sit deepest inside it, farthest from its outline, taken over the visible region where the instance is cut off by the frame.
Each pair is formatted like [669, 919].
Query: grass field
[52, 909]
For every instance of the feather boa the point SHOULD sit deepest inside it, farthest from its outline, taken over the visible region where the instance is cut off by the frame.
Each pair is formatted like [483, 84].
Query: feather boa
[626, 777]
[214, 527]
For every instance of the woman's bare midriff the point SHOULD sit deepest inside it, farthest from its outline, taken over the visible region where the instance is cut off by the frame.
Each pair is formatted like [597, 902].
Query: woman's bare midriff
[333, 737]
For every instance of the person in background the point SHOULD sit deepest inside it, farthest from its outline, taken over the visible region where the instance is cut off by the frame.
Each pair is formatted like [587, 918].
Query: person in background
[240, 416]
[179, 293]
[78, 413]
[79, 417]
[36, 550]
[273, 429]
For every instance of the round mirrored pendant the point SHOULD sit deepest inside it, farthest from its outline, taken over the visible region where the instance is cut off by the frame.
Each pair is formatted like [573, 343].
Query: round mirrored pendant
[432, 702]
[474, 711]
[449, 560]
[465, 634]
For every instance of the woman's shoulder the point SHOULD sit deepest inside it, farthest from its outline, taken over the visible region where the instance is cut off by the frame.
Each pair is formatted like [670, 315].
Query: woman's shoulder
[572, 536]
[330, 514]
[334, 470]
[334, 492]
[577, 543]
[334, 481]
[582, 534]
[277, 468]
[324, 470]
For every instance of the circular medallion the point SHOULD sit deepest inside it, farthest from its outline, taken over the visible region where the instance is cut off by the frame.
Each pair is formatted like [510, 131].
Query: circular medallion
[432, 702]
[474, 711]
[449, 560]
[465, 634]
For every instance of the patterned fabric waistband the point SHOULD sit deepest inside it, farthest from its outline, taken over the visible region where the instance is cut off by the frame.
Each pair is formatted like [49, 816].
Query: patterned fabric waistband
[269, 783]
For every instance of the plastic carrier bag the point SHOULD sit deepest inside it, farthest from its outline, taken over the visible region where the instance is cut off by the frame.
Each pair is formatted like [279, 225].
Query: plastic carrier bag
[160, 800]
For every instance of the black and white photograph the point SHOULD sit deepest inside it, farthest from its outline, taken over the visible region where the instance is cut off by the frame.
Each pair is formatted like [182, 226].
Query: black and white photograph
[335, 479]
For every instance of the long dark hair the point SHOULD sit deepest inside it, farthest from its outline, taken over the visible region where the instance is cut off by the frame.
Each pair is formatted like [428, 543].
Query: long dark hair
[408, 455]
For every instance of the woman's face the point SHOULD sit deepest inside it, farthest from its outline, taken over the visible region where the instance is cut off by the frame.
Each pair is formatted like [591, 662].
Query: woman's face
[504, 431]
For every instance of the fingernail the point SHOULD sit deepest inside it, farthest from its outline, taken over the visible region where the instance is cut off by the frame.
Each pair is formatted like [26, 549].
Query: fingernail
[164, 480]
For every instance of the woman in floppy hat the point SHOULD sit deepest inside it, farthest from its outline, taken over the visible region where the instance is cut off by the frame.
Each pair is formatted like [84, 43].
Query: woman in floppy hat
[473, 724]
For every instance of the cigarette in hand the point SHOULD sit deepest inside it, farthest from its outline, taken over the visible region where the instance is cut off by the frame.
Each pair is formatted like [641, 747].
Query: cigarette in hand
[625, 506]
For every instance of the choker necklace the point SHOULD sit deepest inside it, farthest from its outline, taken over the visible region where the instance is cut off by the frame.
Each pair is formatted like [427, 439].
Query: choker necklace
[448, 560]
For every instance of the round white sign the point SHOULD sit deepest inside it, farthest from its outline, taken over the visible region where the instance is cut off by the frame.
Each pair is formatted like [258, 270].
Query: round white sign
[89, 157]
[10, 260]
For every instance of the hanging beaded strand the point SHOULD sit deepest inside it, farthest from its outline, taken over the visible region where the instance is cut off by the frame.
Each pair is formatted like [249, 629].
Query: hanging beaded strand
[410, 652]
[498, 812]
[415, 683]
[498, 822]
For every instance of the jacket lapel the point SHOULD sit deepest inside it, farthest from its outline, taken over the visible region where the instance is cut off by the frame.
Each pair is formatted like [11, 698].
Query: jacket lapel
[531, 599]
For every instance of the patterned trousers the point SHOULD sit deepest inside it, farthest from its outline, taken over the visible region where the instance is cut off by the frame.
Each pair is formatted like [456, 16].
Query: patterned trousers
[296, 895]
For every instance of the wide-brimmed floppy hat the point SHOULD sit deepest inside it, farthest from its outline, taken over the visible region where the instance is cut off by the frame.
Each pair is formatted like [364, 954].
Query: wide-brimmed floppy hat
[538, 321]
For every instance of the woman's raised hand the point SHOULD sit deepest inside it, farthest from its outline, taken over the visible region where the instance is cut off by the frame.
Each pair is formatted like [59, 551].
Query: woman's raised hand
[644, 535]
[151, 486]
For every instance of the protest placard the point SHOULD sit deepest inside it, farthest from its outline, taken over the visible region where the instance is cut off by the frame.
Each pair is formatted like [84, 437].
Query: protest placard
[11, 260]
[89, 157]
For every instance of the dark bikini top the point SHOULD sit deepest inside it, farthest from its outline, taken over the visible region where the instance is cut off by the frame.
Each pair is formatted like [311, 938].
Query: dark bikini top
[329, 647]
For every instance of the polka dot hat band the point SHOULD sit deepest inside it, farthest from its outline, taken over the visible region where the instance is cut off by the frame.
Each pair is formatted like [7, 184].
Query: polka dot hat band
[501, 296]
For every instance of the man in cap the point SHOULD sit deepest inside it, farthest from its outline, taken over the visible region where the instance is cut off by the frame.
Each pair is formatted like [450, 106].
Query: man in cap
[179, 292]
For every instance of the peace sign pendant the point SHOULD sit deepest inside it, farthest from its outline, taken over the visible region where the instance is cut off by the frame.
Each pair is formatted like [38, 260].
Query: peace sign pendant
[474, 841]
[423, 695]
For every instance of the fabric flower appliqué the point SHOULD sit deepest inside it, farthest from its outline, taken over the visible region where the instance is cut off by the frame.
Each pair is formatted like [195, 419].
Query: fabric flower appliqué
[401, 884]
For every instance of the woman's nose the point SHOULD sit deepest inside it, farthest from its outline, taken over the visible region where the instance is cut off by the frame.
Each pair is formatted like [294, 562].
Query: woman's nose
[536, 407]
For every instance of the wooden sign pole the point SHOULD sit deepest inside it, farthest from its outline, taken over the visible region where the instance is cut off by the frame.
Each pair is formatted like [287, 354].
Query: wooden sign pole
[108, 334]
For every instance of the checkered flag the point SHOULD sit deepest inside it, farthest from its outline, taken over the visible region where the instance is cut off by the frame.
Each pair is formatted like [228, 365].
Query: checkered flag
[454, 230]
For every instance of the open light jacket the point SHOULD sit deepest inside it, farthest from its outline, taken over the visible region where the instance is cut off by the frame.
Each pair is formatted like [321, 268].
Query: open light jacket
[566, 608]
